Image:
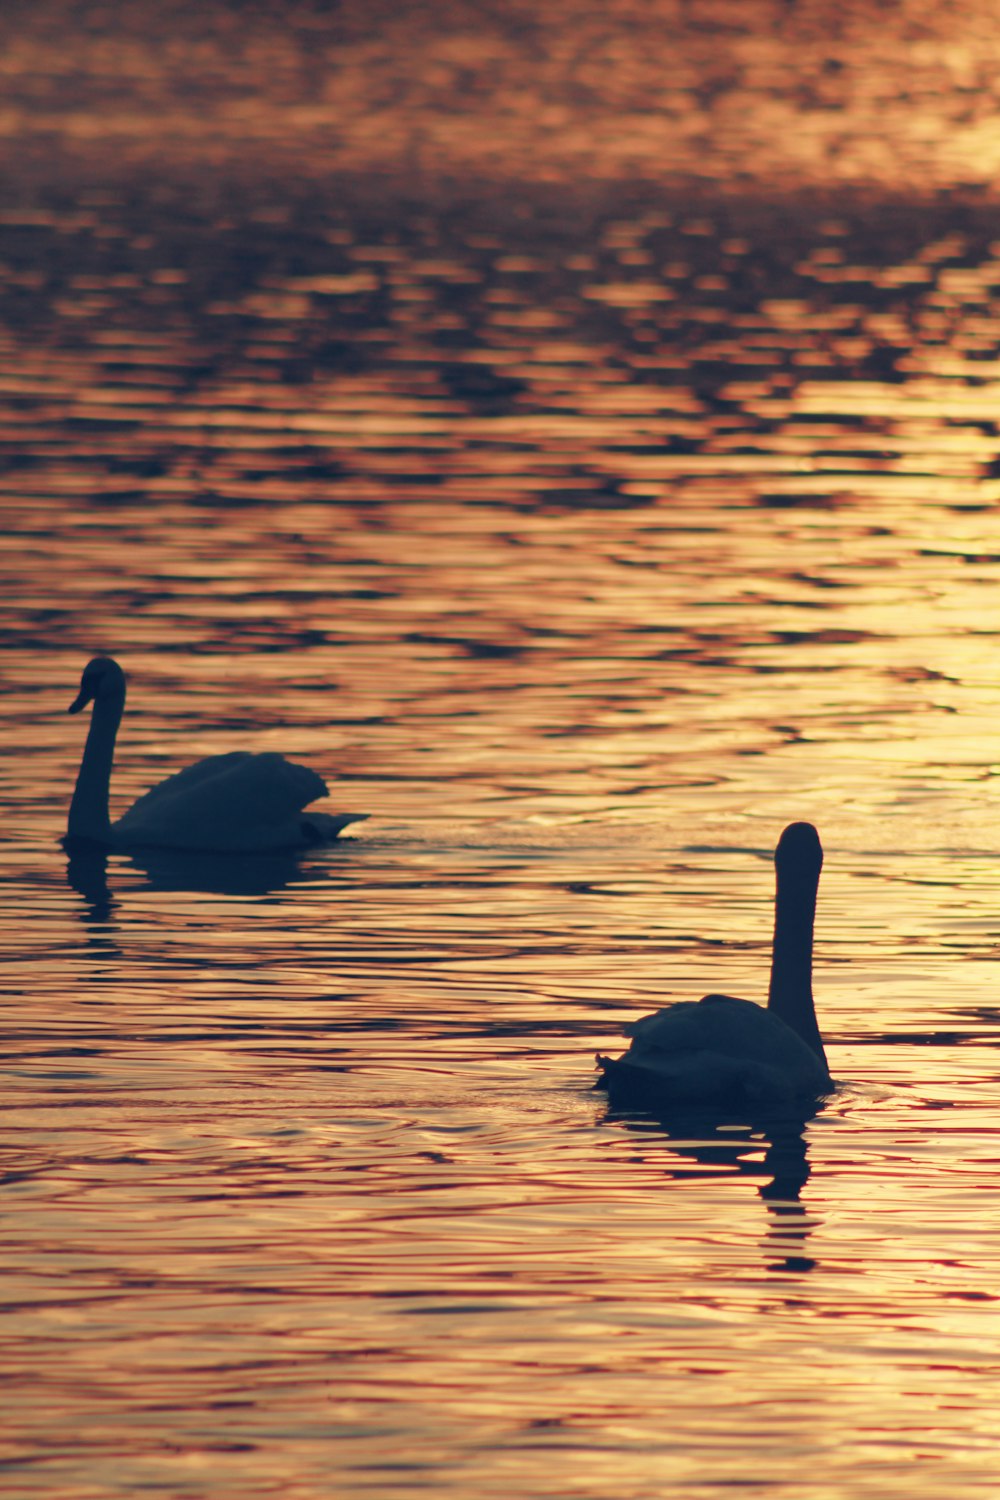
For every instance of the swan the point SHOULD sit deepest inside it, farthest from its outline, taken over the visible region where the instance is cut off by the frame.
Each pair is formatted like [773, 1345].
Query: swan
[238, 803]
[721, 1051]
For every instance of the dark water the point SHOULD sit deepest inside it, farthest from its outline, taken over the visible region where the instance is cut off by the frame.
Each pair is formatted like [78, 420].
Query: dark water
[583, 532]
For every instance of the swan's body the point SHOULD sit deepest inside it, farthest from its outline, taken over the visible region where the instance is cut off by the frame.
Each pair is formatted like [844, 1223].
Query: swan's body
[236, 803]
[723, 1052]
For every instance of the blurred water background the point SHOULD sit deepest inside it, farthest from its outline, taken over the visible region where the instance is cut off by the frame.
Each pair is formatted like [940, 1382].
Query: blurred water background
[575, 431]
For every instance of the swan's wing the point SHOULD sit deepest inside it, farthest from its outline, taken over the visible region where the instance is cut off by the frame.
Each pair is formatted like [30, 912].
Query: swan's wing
[234, 801]
[181, 781]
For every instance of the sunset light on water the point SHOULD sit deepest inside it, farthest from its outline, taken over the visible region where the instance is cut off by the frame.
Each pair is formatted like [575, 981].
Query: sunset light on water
[575, 435]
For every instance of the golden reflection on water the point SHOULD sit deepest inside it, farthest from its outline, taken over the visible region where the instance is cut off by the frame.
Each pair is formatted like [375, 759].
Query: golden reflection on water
[730, 92]
[583, 545]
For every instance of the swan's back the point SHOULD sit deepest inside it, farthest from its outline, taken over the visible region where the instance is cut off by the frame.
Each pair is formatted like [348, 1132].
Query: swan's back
[722, 1024]
[234, 802]
[716, 1051]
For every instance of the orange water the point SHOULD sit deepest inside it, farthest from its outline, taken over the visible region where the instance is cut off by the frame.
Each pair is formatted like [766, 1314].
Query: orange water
[583, 539]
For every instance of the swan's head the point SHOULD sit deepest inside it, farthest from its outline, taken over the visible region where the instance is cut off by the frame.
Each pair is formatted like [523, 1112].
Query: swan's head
[103, 681]
[799, 851]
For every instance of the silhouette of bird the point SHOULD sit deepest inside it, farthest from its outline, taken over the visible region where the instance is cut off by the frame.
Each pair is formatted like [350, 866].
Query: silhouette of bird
[721, 1052]
[235, 803]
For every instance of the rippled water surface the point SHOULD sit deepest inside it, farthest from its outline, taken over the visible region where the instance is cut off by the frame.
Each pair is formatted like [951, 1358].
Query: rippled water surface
[582, 537]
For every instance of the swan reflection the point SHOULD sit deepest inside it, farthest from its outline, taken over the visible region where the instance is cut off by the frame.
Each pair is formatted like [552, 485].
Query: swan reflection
[87, 873]
[180, 870]
[774, 1153]
[216, 874]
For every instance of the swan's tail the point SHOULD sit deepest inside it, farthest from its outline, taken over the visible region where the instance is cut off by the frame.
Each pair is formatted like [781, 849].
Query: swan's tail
[323, 828]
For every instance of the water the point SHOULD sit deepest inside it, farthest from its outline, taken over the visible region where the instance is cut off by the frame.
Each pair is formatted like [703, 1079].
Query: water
[583, 534]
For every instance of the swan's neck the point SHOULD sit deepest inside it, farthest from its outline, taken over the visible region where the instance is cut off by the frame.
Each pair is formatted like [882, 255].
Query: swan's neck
[791, 996]
[88, 811]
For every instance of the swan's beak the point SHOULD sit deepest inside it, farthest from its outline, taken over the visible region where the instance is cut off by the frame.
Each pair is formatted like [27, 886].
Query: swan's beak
[86, 694]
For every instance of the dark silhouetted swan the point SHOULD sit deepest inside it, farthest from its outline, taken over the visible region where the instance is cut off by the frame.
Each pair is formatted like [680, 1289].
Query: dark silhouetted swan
[237, 803]
[731, 1054]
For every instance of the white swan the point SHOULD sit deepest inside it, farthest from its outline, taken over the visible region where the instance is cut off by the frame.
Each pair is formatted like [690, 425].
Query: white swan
[226, 804]
[723, 1052]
